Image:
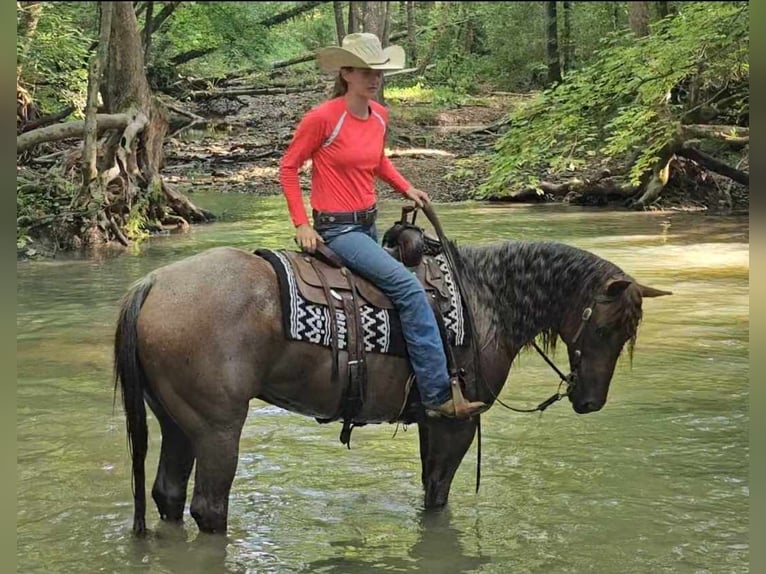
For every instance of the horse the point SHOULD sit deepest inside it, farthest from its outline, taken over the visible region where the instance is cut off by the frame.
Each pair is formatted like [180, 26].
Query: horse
[198, 338]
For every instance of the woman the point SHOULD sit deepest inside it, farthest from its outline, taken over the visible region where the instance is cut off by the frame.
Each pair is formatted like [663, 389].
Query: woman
[345, 137]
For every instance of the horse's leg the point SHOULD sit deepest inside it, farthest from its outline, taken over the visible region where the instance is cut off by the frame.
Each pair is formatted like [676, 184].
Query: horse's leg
[216, 448]
[174, 468]
[423, 436]
[447, 442]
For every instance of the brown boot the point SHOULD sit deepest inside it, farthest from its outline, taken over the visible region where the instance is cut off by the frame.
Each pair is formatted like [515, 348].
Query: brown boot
[457, 406]
[463, 410]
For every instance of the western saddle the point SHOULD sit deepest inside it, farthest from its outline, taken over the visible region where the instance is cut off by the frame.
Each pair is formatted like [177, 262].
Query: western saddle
[323, 279]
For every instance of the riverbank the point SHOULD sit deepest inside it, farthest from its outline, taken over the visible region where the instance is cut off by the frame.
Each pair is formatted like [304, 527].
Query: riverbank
[441, 148]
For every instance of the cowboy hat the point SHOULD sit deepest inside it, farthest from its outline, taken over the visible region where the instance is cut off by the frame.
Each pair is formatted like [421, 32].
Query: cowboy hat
[361, 50]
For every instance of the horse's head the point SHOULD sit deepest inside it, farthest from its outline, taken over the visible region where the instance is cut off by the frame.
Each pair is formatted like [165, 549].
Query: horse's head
[595, 336]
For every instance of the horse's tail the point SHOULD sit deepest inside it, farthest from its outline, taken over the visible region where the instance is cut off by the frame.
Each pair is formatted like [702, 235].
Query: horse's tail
[129, 374]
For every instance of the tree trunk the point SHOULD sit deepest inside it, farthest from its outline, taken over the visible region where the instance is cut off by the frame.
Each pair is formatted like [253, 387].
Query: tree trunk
[190, 55]
[376, 18]
[148, 29]
[340, 27]
[566, 37]
[411, 43]
[615, 15]
[554, 68]
[662, 8]
[164, 14]
[280, 17]
[354, 17]
[88, 168]
[638, 16]
[136, 154]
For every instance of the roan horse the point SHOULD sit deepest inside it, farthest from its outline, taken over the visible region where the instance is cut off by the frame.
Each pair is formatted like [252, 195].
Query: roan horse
[199, 338]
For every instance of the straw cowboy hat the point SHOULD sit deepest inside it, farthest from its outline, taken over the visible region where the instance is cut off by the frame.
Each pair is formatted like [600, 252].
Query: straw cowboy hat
[361, 50]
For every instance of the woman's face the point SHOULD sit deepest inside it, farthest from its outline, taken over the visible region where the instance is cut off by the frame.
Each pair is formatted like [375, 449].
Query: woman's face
[363, 81]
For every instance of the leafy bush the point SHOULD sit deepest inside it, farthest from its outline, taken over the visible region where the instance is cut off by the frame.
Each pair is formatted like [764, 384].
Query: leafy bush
[624, 102]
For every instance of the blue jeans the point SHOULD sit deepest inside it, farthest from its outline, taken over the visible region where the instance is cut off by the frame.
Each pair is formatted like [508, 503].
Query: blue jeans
[358, 247]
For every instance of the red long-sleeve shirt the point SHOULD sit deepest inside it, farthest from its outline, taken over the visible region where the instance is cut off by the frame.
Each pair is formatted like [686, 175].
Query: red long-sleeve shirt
[346, 154]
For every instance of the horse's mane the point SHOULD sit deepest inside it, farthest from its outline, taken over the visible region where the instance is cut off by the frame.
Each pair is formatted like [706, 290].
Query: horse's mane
[522, 286]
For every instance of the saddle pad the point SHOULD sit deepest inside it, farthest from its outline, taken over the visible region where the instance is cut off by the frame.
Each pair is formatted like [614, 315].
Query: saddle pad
[309, 322]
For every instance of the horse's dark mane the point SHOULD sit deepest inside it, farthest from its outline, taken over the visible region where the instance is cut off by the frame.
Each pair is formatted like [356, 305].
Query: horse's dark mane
[522, 286]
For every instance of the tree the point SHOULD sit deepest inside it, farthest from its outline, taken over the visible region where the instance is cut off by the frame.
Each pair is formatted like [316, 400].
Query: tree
[340, 28]
[122, 194]
[411, 43]
[638, 16]
[566, 37]
[554, 68]
[376, 19]
[354, 16]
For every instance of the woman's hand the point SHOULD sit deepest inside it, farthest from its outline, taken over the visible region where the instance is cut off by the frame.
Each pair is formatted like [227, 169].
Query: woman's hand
[306, 237]
[420, 197]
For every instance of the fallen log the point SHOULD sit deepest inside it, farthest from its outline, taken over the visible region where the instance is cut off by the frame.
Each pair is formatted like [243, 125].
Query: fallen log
[292, 61]
[406, 71]
[730, 134]
[47, 120]
[70, 130]
[714, 164]
[606, 186]
[210, 94]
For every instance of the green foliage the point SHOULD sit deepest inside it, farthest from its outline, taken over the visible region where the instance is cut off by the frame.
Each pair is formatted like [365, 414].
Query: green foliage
[229, 28]
[628, 100]
[55, 66]
[135, 226]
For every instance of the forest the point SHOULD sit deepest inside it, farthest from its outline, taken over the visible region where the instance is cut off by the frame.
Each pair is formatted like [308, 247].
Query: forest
[125, 110]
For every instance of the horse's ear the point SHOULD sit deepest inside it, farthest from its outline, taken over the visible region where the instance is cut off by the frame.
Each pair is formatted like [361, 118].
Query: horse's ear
[616, 285]
[652, 292]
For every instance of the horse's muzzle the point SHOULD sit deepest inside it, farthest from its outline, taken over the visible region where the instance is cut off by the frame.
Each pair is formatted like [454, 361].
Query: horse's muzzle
[585, 407]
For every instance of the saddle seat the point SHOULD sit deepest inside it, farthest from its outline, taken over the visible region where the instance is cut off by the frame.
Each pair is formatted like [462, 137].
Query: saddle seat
[309, 284]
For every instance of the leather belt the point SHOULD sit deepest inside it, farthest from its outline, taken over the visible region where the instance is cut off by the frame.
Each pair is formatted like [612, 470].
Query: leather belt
[361, 217]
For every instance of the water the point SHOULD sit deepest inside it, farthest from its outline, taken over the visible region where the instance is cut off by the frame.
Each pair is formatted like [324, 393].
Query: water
[656, 482]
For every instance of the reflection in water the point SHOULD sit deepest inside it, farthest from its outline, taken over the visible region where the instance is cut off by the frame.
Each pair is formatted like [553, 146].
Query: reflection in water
[438, 550]
[168, 549]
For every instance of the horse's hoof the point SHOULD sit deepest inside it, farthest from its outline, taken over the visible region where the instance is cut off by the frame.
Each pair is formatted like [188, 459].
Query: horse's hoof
[139, 527]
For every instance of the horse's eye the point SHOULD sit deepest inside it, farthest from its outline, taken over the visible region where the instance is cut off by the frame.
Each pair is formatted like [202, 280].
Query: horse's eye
[602, 332]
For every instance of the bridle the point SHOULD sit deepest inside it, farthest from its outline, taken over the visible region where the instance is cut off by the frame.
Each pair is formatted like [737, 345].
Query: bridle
[569, 382]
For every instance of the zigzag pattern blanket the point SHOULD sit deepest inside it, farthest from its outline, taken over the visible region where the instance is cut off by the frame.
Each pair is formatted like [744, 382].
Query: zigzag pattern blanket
[306, 321]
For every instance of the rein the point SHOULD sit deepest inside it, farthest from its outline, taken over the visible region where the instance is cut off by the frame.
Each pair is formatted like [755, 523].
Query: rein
[569, 380]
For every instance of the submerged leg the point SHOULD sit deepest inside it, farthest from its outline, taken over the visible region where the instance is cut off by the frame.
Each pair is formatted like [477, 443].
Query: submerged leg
[447, 441]
[217, 450]
[423, 436]
[176, 461]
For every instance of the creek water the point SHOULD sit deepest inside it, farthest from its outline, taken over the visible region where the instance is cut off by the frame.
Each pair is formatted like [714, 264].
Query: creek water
[655, 482]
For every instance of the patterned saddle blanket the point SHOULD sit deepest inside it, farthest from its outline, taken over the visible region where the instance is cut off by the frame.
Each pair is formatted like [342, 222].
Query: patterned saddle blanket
[306, 315]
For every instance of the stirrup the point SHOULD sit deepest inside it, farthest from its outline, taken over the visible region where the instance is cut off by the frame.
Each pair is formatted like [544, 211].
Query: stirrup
[463, 408]
[458, 407]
